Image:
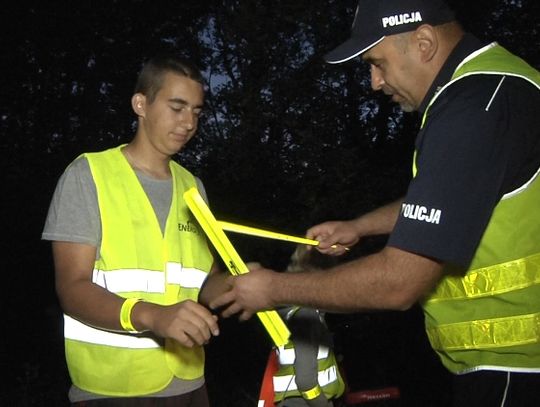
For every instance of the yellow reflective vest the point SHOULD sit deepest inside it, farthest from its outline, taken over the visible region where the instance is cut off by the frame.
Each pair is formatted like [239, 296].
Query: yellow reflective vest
[489, 317]
[137, 260]
[329, 379]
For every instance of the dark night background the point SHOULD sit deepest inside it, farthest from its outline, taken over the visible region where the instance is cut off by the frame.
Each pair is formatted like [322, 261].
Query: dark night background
[287, 141]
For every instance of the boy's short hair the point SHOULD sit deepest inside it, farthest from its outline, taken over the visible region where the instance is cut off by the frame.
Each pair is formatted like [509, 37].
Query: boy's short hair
[153, 72]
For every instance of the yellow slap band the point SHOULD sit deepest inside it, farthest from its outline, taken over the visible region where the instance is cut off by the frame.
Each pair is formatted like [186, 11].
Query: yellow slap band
[248, 230]
[125, 314]
[311, 394]
[271, 320]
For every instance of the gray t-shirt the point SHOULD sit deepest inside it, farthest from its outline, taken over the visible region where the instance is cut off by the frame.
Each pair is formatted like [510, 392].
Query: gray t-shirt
[74, 217]
[74, 212]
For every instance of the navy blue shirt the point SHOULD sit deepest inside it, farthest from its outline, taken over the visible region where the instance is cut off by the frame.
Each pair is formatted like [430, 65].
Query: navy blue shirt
[481, 141]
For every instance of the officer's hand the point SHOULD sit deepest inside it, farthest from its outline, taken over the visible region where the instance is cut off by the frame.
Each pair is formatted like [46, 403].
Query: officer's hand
[249, 293]
[335, 237]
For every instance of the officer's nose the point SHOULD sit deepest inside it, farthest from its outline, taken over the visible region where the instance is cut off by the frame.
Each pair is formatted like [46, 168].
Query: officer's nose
[377, 80]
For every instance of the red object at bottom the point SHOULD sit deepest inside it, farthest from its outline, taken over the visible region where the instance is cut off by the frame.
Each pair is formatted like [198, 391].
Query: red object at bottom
[368, 396]
[266, 396]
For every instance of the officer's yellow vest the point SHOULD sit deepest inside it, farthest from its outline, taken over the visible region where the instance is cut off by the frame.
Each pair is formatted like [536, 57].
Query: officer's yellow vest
[136, 260]
[329, 377]
[489, 317]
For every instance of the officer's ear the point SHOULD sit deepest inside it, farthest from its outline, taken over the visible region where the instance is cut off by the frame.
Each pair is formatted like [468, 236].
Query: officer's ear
[138, 104]
[427, 42]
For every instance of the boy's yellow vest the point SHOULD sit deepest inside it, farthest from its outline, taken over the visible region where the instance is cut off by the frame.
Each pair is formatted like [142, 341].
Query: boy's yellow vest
[489, 317]
[136, 260]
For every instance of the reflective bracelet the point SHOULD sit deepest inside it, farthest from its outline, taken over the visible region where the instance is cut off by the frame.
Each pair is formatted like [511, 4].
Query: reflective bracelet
[312, 393]
[125, 314]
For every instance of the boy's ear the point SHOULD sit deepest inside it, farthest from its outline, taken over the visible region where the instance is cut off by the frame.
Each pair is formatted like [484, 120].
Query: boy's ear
[138, 104]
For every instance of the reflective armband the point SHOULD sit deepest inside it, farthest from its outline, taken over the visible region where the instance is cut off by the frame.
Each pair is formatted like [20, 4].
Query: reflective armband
[312, 393]
[125, 314]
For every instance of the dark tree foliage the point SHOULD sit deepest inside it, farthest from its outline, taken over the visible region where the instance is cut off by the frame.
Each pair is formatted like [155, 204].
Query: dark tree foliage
[286, 141]
[295, 117]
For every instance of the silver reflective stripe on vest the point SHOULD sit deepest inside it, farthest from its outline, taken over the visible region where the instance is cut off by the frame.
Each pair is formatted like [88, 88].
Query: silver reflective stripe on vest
[287, 356]
[149, 281]
[127, 280]
[78, 331]
[185, 277]
[287, 383]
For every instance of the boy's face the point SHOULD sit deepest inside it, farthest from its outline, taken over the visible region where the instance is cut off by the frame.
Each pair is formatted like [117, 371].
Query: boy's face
[171, 120]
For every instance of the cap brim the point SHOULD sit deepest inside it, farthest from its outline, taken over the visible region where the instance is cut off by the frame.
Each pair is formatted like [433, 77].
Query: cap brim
[350, 49]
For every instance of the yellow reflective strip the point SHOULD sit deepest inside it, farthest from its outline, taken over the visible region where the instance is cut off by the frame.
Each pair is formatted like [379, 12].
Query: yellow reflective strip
[248, 230]
[270, 319]
[487, 333]
[488, 281]
[312, 393]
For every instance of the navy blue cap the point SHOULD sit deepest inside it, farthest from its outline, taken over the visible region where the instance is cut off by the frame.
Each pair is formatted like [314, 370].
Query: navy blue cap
[376, 19]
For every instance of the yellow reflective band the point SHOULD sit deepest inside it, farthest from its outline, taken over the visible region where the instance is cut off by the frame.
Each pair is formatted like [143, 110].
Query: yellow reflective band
[487, 333]
[270, 319]
[312, 394]
[125, 314]
[487, 281]
[248, 230]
